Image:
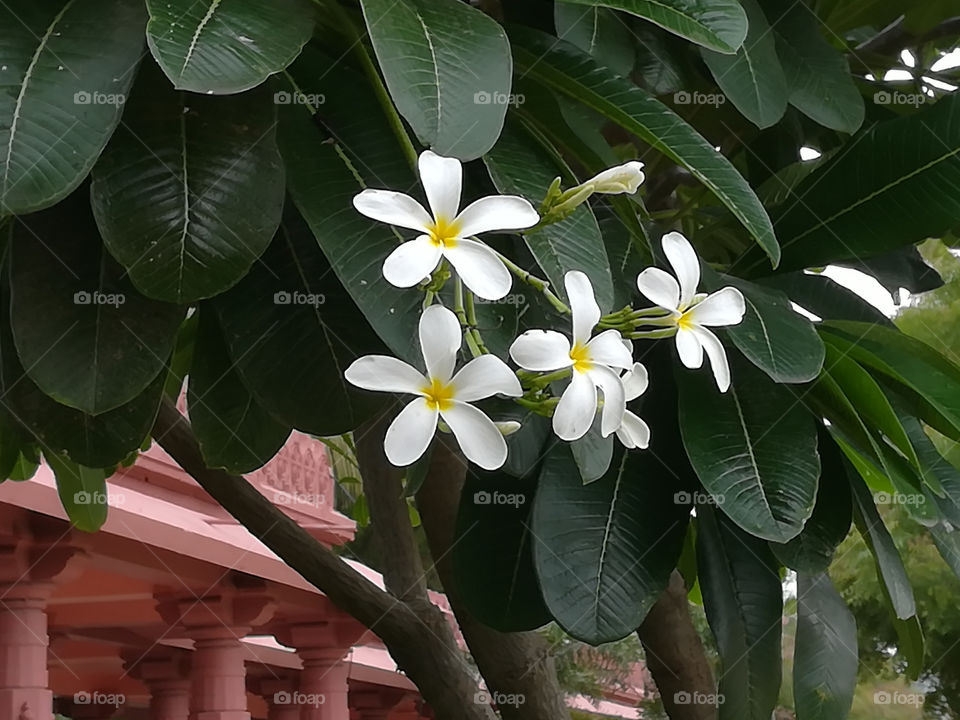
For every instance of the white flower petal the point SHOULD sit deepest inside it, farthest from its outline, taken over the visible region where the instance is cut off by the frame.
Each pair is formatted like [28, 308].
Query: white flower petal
[477, 435]
[614, 402]
[410, 433]
[440, 339]
[724, 307]
[624, 178]
[718, 357]
[507, 427]
[660, 287]
[686, 265]
[385, 374]
[497, 212]
[393, 208]
[480, 269]
[541, 351]
[635, 381]
[583, 305]
[441, 178]
[483, 377]
[411, 262]
[607, 348]
[634, 432]
[577, 408]
[689, 348]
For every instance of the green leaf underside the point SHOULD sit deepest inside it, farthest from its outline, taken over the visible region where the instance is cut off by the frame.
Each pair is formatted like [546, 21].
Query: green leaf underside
[67, 68]
[82, 490]
[219, 47]
[565, 69]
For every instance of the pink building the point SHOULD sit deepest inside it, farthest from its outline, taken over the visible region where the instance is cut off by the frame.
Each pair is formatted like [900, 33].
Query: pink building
[173, 611]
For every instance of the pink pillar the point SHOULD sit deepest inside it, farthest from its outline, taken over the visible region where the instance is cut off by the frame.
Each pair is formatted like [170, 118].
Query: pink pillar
[33, 555]
[170, 700]
[23, 653]
[217, 624]
[165, 673]
[279, 694]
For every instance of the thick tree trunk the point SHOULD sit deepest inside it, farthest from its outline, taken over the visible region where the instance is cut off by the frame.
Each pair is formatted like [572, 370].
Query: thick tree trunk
[517, 664]
[426, 659]
[675, 656]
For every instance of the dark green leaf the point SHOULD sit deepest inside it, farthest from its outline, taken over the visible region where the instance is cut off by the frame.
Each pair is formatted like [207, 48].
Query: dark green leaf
[717, 24]
[235, 433]
[82, 490]
[604, 551]
[752, 79]
[189, 192]
[753, 447]
[562, 67]
[598, 32]
[903, 268]
[291, 330]
[826, 298]
[209, 47]
[825, 659]
[812, 550]
[447, 66]
[737, 572]
[67, 68]
[773, 336]
[83, 333]
[493, 553]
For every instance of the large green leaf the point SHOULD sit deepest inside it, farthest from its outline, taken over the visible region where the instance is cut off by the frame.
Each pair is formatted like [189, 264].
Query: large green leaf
[772, 335]
[189, 192]
[825, 659]
[493, 522]
[812, 550]
[894, 186]
[931, 380]
[893, 578]
[826, 298]
[83, 333]
[754, 449]
[752, 79]
[66, 70]
[570, 72]
[597, 31]
[291, 331]
[219, 48]
[234, 432]
[604, 551]
[743, 601]
[818, 75]
[82, 490]
[448, 68]
[938, 473]
[518, 165]
[717, 24]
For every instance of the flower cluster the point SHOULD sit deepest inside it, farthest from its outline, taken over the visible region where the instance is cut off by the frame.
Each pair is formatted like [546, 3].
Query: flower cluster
[598, 368]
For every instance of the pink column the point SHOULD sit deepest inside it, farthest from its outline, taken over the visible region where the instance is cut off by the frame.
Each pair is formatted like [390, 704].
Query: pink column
[165, 673]
[32, 556]
[279, 694]
[170, 700]
[216, 625]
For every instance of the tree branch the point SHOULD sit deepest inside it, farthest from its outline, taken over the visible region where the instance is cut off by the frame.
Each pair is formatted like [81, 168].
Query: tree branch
[442, 680]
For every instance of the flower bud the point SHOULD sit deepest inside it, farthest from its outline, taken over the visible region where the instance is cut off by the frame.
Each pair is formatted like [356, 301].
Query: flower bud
[624, 178]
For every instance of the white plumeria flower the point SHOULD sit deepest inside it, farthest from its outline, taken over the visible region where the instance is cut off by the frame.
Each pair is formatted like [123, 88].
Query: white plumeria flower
[624, 178]
[693, 313]
[441, 394]
[633, 431]
[590, 358]
[445, 231]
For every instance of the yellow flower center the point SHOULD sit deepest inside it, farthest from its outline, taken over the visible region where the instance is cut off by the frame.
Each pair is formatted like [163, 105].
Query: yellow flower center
[439, 395]
[581, 358]
[444, 233]
[684, 322]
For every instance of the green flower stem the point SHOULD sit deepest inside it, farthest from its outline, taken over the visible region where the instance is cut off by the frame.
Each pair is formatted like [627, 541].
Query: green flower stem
[541, 381]
[651, 334]
[540, 407]
[541, 285]
[474, 328]
[373, 75]
[461, 313]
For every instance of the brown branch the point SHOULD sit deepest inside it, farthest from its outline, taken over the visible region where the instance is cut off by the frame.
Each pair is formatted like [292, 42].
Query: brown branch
[425, 658]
